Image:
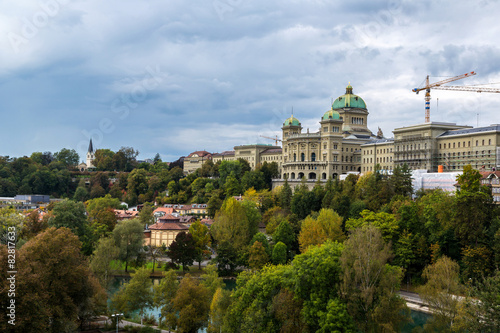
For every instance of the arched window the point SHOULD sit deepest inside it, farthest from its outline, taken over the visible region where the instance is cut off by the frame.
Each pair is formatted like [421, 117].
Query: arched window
[313, 157]
[312, 175]
[292, 175]
[302, 157]
[294, 157]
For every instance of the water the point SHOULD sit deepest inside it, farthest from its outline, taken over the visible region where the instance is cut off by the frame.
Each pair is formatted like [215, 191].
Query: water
[419, 320]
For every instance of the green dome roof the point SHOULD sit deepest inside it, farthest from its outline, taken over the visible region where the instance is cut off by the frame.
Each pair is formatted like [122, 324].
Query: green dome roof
[349, 100]
[291, 121]
[331, 114]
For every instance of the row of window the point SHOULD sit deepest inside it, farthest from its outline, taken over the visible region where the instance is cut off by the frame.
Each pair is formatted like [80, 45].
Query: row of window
[379, 151]
[483, 154]
[463, 144]
[411, 147]
[379, 160]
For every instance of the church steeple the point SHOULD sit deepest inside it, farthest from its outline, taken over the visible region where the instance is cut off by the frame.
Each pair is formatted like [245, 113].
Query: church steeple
[91, 147]
[90, 155]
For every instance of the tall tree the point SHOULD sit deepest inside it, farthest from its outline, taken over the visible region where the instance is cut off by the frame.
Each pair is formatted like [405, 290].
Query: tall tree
[164, 294]
[258, 256]
[135, 295]
[100, 262]
[129, 237]
[68, 156]
[369, 284]
[183, 249]
[192, 302]
[440, 292]
[202, 239]
[54, 282]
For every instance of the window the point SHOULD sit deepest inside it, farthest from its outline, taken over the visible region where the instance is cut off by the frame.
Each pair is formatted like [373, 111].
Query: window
[489, 142]
[313, 157]
[453, 144]
[302, 157]
[477, 143]
[439, 146]
[325, 129]
[483, 142]
[294, 157]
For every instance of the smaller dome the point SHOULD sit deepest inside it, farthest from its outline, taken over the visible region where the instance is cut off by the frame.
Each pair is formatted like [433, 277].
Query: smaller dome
[292, 121]
[331, 114]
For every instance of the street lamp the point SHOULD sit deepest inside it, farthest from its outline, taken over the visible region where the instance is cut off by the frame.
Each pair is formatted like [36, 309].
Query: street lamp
[117, 315]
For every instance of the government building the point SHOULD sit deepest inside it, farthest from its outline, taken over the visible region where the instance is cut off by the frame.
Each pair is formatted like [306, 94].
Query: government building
[344, 144]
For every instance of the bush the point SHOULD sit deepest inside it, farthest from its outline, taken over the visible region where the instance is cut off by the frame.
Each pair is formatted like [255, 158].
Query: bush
[171, 265]
[149, 320]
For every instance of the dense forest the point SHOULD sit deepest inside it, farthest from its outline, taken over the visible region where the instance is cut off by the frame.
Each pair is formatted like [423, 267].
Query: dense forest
[331, 259]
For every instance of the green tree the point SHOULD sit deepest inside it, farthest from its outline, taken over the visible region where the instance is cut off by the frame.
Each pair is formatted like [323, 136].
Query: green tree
[183, 249]
[218, 307]
[72, 215]
[369, 284]
[231, 225]
[485, 311]
[192, 302]
[279, 254]
[104, 159]
[146, 214]
[401, 180]
[285, 234]
[164, 294]
[129, 237]
[285, 196]
[385, 222]
[68, 156]
[316, 231]
[135, 295]
[100, 262]
[258, 256]
[202, 239]
[440, 292]
[54, 281]
[81, 194]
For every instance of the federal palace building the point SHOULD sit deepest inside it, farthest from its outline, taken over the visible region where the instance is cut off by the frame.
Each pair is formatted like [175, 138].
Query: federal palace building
[344, 144]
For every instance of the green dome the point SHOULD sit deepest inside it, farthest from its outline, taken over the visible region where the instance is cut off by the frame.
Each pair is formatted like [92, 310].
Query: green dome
[331, 114]
[349, 100]
[291, 121]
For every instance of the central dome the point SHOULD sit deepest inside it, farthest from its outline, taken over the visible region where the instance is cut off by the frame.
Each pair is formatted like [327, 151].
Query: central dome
[349, 100]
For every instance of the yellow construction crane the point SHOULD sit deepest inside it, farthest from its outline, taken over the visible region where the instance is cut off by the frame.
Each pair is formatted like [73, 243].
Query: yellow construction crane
[436, 85]
[270, 138]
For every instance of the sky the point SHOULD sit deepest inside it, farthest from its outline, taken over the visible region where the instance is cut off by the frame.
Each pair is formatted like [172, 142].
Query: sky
[173, 77]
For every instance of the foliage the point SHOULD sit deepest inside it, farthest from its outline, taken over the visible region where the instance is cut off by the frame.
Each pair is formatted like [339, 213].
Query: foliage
[164, 294]
[202, 239]
[218, 307]
[137, 294]
[370, 284]
[54, 281]
[385, 222]
[183, 249]
[258, 256]
[100, 262]
[192, 302]
[327, 226]
[128, 236]
[279, 256]
[441, 291]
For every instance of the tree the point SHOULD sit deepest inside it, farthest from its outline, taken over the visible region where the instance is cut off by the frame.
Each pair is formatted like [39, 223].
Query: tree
[192, 302]
[257, 256]
[72, 215]
[218, 307]
[279, 254]
[183, 249]
[33, 225]
[67, 156]
[129, 237]
[202, 239]
[385, 222]
[285, 196]
[485, 312]
[100, 262]
[369, 285]
[401, 180]
[316, 231]
[81, 194]
[9, 218]
[103, 160]
[440, 292]
[146, 214]
[285, 234]
[211, 279]
[287, 310]
[164, 294]
[137, 294]
[54, 281]
[231, 225]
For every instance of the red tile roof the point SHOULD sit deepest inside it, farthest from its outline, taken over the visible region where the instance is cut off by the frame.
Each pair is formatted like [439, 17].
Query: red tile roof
[166, 210]
[201, 153]
[168, 226]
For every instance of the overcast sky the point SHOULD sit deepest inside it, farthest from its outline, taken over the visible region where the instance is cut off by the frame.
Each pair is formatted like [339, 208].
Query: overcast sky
[172, 76]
